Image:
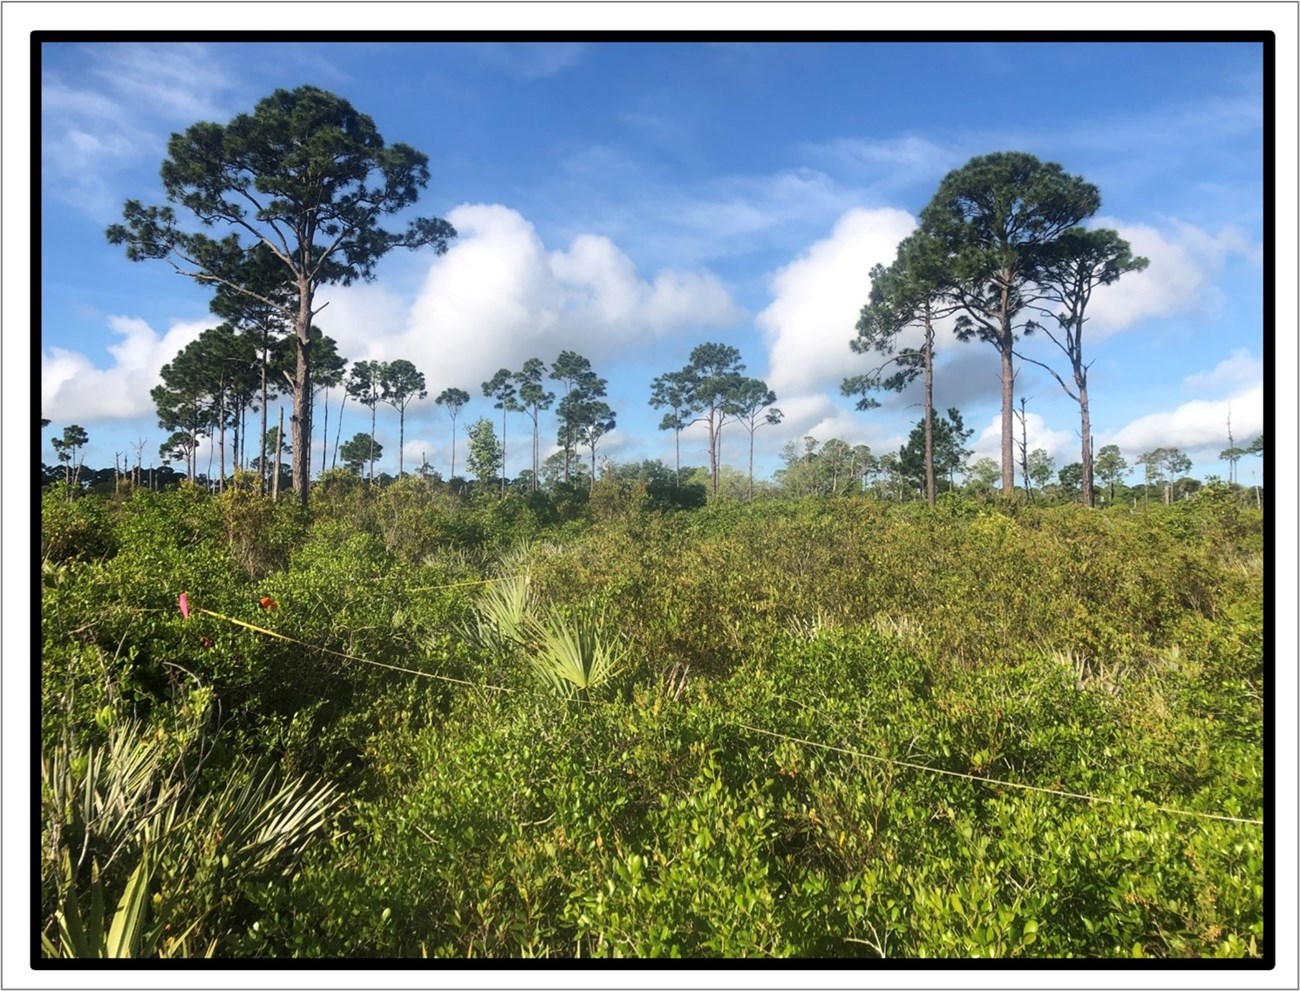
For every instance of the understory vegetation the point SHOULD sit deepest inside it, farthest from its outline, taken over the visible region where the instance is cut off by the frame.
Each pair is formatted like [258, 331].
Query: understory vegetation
[611, 727]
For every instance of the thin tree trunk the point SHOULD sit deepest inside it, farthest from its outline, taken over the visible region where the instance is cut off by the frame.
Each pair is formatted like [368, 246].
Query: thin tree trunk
[715, 451]
[221, 433]
[1024, 450]
[373, 407]
[750, 495]
[1085, 424]
[401, 440]
[503, 449]
[211, 453]
[929, 409]
[338, 433]
[1008, 457]
[279, 446]
[301, 417]
[1006, 342]
[536, 450]
[325, 433]
[261, 462]
[453, 450]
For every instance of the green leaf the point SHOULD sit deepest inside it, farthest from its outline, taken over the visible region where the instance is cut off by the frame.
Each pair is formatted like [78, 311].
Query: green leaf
[125, 931]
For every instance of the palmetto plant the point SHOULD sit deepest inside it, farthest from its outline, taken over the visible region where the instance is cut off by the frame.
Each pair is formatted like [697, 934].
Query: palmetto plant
[130, 819]
[576, 653]
[570, 651]
[505, 616]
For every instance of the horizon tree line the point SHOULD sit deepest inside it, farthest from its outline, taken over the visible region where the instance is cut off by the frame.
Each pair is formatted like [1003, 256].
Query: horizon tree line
[267, 209]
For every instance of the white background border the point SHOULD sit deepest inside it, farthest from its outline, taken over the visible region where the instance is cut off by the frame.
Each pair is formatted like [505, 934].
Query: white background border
[17, 20]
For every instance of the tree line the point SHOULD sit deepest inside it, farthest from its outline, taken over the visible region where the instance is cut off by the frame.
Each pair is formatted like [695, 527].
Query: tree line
[301, 186]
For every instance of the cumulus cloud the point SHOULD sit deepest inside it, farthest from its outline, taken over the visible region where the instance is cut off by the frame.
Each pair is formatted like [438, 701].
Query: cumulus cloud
[1180, 277]
[499, 295]
[1196, 428]
[1060, 444]
[74, 389]
[818, 296]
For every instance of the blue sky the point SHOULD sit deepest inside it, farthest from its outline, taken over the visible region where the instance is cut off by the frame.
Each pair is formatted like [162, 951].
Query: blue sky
[632, 200]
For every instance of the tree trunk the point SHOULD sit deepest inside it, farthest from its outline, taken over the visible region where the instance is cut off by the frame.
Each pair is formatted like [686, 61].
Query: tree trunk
[401, 440]
[338, 433]
[1024, 449]
[536, 450]
[929, 409]
[503, 451]
[1005, 343]
[373, 407]
[325, 434]
[221, 434]
[677, 443]
[261, 461]
[715, 450]
[750, 495]
[1008, 386]
[301, 418]
[234, 444]
[279, 446]
[1085, 424]
[453, 450]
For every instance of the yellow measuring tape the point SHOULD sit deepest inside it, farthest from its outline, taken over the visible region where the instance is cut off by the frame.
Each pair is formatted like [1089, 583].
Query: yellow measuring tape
[348, 657]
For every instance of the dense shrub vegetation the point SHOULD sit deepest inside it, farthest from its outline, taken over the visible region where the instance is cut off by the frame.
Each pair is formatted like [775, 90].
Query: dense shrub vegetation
[566, 727]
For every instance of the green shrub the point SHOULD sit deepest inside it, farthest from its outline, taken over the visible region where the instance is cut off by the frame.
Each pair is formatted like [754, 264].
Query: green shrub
[838, 728]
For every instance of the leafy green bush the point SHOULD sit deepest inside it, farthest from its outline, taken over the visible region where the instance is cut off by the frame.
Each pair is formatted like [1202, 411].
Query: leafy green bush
[838, 728]
[75, 528]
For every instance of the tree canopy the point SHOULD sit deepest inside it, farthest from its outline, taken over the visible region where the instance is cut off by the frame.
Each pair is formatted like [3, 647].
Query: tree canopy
[309, 179]
[994, 218]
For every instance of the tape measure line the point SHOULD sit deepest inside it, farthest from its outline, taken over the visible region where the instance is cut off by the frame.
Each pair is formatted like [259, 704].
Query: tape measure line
[994, 781]
[1080, 796]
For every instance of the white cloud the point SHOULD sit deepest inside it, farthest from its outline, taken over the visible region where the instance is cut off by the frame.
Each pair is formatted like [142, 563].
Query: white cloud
[499, 296]
[1184, 261]
[94, 128]
[1063, 445]
[1199, 427]
[1239, 369]
[73, 389]
[818, 296]
[360, 317]
[886, 165]
[171, 80]
[747, 205]
[726, 217]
